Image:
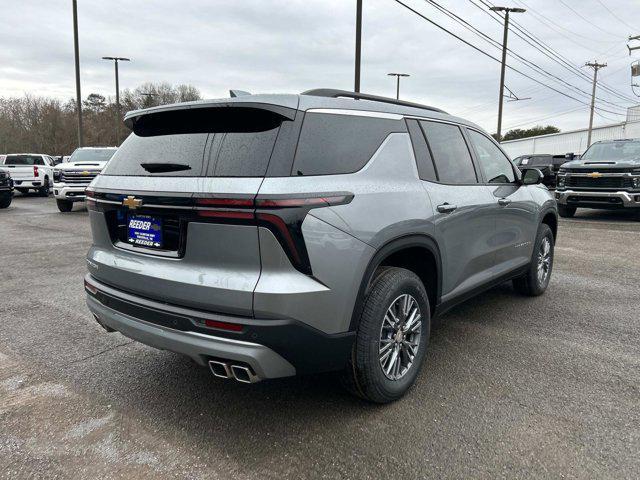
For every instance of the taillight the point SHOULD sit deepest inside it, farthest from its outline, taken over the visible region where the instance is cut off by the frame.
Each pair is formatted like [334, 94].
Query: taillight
[35, 171]
[90, 288]
[90, 199]
[281, 214]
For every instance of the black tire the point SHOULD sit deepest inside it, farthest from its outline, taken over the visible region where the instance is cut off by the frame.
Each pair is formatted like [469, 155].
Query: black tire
[364, 375]
[44, 190]
[23, 191]
[531, 284]
[5, 201]
[566, 212]
[64, 205]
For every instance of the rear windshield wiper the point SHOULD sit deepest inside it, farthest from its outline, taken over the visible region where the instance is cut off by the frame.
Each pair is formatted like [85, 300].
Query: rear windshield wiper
[164, 167]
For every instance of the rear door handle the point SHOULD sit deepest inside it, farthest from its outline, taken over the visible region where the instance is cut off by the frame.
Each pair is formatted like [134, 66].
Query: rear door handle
[504, 201]
[446, 208]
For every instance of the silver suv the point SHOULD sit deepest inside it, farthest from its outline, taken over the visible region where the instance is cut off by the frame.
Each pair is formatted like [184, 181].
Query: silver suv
[272, 235]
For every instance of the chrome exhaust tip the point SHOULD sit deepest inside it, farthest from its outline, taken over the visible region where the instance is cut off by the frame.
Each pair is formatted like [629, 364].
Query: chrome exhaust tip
[220, 369]
[244, 374]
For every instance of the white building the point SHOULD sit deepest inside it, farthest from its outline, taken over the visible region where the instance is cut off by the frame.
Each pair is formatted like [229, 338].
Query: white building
[575, 141]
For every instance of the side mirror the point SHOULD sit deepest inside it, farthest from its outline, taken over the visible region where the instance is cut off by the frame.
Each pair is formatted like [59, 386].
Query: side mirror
[532, 176]
[570, 156]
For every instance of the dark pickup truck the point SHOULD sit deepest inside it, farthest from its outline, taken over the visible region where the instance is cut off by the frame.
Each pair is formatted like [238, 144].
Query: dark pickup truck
[546, 163]
[606, 176]
[6, 188]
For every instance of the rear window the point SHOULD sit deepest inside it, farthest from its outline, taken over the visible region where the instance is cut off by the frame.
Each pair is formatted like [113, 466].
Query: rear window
[23, 160]
[186, 150]
[332, 144]
[219, 142]
[241, 154]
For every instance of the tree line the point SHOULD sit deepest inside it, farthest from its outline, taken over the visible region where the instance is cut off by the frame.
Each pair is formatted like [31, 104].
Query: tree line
[37, 124]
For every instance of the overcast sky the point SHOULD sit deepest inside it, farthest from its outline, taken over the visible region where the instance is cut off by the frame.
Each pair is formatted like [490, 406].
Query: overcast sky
[294, 45]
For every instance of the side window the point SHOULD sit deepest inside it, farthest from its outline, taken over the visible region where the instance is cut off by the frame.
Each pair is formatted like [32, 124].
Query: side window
[38, 161]
[450, 153]
[426, 170]
[333, 144]
[495, 165]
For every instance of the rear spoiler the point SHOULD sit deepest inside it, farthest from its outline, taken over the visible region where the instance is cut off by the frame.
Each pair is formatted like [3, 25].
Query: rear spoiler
[201, 117]
[201, 109]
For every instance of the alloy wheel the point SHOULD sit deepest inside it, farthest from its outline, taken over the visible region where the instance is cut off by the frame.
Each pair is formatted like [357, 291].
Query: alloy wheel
[400, 337]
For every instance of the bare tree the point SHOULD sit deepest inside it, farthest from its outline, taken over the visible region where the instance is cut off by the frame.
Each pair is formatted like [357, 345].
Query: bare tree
[46, 125]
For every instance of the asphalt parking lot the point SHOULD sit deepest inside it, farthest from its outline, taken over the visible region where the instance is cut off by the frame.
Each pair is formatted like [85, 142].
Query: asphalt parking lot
[512, 387]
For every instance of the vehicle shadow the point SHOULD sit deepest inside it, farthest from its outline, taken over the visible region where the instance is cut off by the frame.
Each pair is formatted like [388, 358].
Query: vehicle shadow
[607, 215]
[271, 418]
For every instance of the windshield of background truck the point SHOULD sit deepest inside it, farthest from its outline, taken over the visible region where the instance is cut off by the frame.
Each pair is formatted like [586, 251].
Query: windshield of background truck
[611, 151]
[92, 155]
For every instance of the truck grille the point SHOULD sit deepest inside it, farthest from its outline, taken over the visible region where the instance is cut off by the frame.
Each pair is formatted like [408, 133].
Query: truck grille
[78, 177]
[610, 183]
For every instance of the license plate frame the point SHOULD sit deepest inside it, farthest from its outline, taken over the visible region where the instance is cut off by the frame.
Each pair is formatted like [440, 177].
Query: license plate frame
[144, 231]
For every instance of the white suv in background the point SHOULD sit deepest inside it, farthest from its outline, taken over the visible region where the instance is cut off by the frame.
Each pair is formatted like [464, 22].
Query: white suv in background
[70, 179]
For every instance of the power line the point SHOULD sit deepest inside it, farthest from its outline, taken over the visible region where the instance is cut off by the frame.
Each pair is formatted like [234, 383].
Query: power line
[554, 26]
[496, 59]
[553, 115]
[616, 16]
[589, 21]
[547, 50]
[513, 54]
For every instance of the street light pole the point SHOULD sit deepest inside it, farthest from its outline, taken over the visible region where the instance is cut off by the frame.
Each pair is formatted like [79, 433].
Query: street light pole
[115, 60]
[356, 86]
[76, 49]
[507, 10]
[398, 75]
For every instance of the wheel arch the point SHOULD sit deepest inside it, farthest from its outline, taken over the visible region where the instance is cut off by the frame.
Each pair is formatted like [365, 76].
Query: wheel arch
[397, 252]
[550, 218]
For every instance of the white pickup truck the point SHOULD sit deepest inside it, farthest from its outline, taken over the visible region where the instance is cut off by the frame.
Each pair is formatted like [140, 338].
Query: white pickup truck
[30, 171]
[70, 179]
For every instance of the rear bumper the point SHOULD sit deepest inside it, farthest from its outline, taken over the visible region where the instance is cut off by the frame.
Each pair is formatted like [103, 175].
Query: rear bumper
[598, 199]
[71, 193]
[272, 348]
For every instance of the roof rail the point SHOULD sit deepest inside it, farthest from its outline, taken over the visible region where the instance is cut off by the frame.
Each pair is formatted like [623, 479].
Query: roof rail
[335, 93]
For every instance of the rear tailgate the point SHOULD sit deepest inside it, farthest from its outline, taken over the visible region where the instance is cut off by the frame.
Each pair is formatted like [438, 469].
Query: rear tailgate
[197, 263]
[21, 173]
[169, 212]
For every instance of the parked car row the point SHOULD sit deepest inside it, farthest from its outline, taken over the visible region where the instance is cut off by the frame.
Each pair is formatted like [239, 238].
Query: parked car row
[606, 176]
[42, 173]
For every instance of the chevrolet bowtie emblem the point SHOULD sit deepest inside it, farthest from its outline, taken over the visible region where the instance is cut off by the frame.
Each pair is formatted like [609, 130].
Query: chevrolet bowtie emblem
[594, 174]
[132, 202]
[86, 172]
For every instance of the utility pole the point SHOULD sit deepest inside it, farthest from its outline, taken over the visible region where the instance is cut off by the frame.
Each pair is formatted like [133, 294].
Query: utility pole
[398, 75]
[631, 38]
[596, 66]
[115, 60]
[506, 11]
[356, 87]
[77, 61]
